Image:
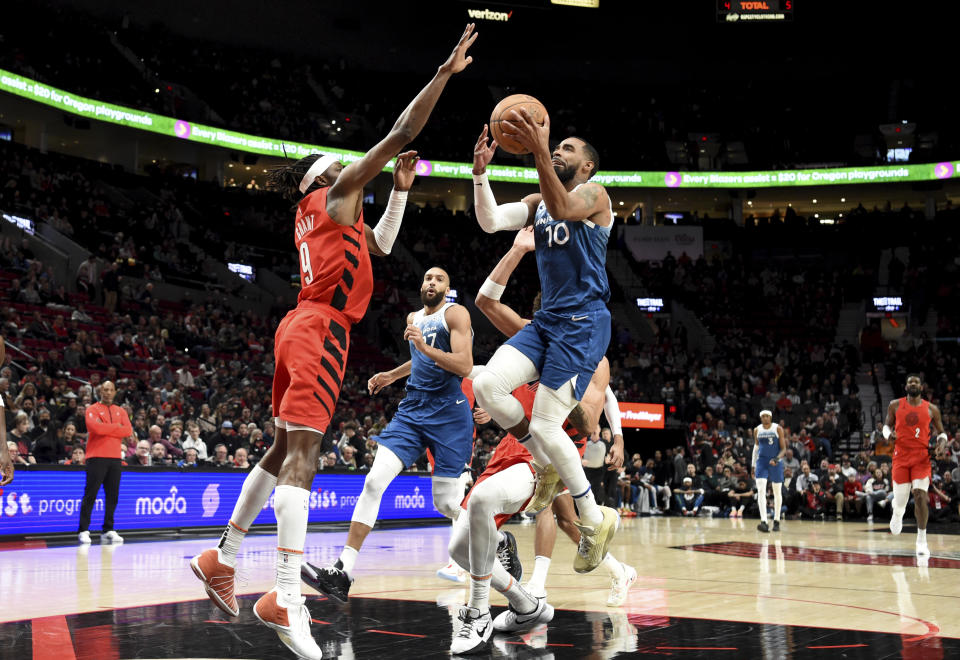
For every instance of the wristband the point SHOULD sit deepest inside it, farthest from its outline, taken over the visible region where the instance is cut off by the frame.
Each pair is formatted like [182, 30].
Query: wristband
[492, 290]
[886, 432]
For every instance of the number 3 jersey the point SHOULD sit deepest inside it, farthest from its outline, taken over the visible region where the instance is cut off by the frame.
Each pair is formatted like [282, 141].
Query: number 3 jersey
[334, 262]
[571, 259]
[425, 375]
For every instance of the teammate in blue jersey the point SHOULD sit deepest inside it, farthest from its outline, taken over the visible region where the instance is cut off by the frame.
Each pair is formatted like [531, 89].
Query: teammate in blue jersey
[569, 335]
[769, 446]
[435, 415]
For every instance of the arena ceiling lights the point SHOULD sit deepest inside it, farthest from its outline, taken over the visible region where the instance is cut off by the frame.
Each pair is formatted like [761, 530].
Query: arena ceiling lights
[219, 137]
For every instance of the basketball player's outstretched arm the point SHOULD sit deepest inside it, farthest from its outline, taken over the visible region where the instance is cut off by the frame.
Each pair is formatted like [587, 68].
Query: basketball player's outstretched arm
[588, 202]
[380, 238]
[459, 360]
[505, 318]
[490, 216]
[344, 201]
[378, 381]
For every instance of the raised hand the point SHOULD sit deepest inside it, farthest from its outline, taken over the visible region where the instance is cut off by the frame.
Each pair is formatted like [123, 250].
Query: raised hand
[405, 170]
[459, 60]
[483, 152]
[521, 126]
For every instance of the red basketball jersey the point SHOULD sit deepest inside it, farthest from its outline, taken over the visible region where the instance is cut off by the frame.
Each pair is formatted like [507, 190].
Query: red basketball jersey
[913, 427]
[334, 262]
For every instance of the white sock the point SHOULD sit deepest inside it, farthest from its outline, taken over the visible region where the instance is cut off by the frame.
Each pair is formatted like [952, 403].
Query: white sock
[590, 513]
[538, 580]
[521, 601]
[256, 489]
[480, 593]
[500, 537]
[921, 536]
[777, 501]
[348, 557]
[291, 506]
[614, 566]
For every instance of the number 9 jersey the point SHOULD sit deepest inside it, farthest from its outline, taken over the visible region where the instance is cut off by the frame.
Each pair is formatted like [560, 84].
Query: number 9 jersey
[334, 262]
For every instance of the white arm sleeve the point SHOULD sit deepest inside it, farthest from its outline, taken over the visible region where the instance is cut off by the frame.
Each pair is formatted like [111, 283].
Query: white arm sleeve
[476, 371]
[389, 226]
[492, 217]
[756, 450]
[612, 411]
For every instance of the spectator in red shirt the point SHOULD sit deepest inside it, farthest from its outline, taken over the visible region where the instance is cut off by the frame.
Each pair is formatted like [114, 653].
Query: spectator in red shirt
[853, 494]
[107, 424]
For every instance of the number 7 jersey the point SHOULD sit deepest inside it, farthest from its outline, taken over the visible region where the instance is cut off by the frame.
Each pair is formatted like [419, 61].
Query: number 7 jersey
[571, 259]
[334, 262]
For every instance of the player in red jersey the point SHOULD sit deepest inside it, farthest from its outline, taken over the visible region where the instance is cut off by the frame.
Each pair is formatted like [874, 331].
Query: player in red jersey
[311, 348]
[911, 418]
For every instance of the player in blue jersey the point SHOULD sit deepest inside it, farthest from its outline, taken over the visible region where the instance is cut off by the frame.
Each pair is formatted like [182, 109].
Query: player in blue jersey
[769, 446]
[569, 335]
[435, 415]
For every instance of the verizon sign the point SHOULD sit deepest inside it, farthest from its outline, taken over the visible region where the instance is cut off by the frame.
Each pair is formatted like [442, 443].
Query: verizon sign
[641, 415]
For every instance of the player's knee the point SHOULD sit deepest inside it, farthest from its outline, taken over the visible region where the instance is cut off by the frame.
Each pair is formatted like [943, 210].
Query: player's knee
[486, 388]
[542, 428]
[446, 504]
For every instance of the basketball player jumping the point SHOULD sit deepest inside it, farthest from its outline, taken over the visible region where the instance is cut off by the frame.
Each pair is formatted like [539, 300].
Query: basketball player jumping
[570, 333]
[586, 415]
[911, 418]
[435, 414]
[311, 347]
[769, 446]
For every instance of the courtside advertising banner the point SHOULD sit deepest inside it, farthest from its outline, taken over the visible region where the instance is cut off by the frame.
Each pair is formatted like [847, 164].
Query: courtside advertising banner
[75, 104]
[45, 501]
[641, 415]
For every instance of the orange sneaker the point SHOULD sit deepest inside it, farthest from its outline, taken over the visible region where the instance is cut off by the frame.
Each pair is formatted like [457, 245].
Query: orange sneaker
[292, 625]
[217, 579]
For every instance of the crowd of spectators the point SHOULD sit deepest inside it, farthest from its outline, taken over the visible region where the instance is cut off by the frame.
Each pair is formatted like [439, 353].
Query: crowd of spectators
[295, 94]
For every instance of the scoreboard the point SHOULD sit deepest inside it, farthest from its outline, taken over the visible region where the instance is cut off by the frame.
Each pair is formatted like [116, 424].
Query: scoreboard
[754, 11]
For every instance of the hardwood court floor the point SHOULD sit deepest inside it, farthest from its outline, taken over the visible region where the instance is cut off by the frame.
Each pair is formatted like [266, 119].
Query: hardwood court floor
[707, 588]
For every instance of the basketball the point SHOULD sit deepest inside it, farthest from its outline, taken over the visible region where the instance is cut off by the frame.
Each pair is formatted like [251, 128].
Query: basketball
[502, 111]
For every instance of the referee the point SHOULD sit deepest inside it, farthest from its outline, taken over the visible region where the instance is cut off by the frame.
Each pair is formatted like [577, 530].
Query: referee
[107, 424]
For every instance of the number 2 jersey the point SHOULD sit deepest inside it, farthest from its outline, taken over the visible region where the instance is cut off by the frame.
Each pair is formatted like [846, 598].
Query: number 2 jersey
[571, 259]
[334, 262]
[912, 428]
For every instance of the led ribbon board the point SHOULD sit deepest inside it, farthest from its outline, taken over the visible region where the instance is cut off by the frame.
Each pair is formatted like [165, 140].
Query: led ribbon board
[43, 501]
[221, 137]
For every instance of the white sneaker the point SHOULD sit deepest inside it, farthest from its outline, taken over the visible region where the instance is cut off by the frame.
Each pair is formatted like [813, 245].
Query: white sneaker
[453, 573]
[922, 549]
[84, 537]
[474, 633]
[620, 586]
[512, 621]
[896, 525]
[292, 625]
[870, 519]
[111, 537]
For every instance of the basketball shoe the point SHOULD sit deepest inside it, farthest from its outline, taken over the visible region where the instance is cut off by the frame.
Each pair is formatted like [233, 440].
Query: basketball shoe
[509, 557]
[218, 580]
[292, 625]
[513, 621]
[474, 633]
[594, 541]
[547, 487]
[332, 581]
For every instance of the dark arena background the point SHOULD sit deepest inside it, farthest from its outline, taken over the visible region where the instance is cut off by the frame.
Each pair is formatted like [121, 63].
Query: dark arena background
[784, 179]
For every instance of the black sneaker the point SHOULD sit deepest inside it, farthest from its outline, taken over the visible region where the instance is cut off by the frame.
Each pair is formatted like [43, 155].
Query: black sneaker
[776, 525]
[330, 580]
[763, 527]
[508, 556]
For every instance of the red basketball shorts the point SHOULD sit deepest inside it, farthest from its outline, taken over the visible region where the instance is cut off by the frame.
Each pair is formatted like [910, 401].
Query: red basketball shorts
[310, 349]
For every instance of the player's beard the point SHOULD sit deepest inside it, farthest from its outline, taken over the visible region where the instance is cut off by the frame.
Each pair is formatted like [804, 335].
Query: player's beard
[565, 173]
[429, 301]
[913, 390]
